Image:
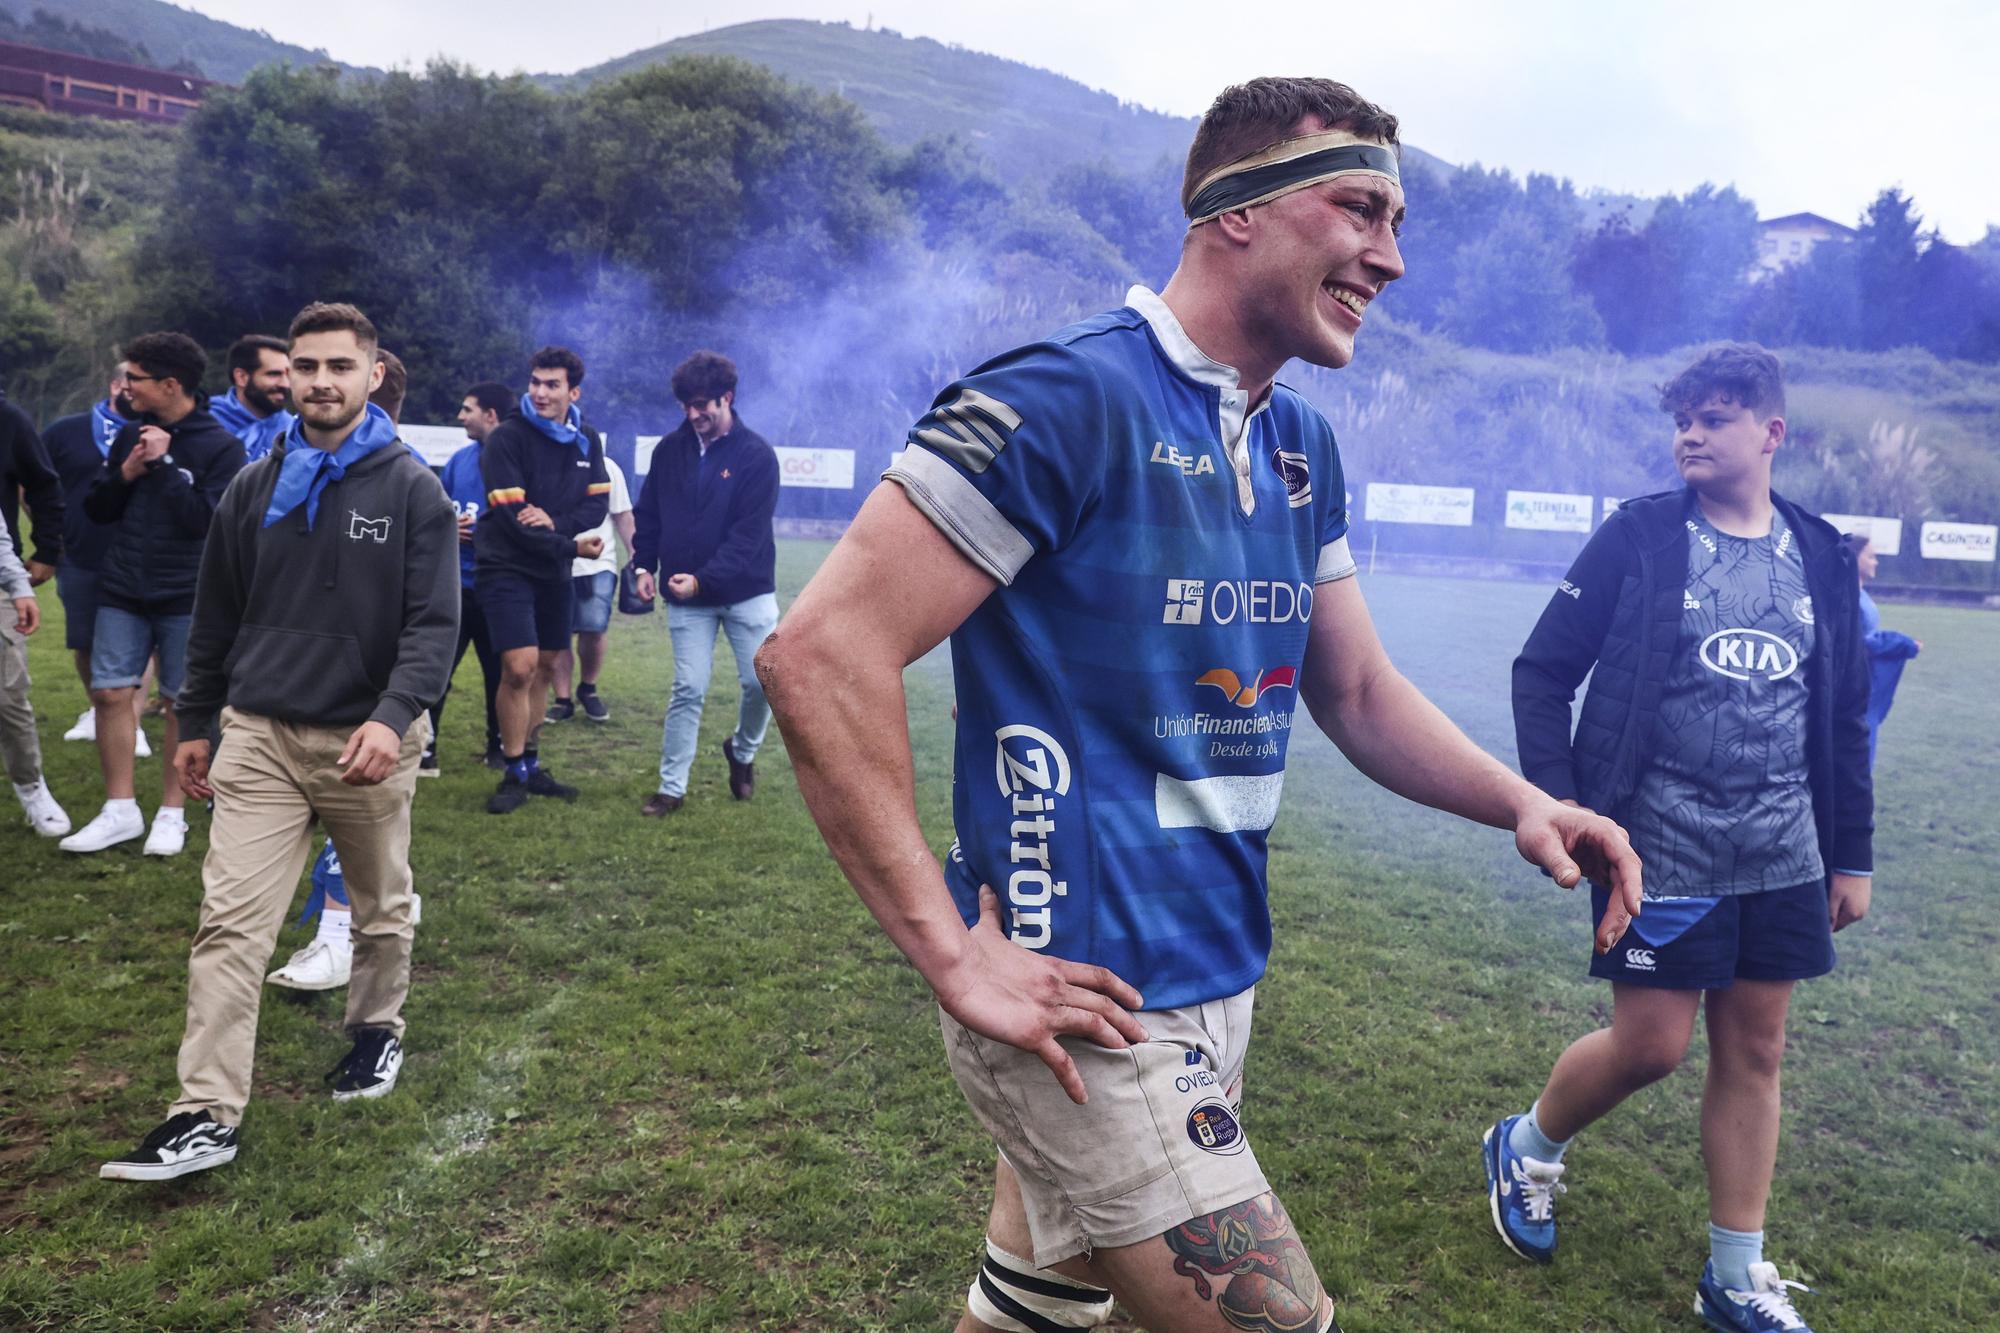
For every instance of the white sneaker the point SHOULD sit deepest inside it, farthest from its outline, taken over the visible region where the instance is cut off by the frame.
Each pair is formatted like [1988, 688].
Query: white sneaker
[416, 908]
[324, 964]
[46, 817]
[140, 749]
[168, 837]
[85, 728]
[111, 827]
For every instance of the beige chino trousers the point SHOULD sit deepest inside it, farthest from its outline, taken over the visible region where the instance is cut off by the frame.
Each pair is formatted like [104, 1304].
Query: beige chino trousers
[20, 747]
[271, 779]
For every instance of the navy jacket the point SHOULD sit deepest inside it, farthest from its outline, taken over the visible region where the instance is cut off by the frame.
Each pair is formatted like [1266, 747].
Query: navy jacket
[1619, 613]
[25, 466]
[154, 557]
[710, 515]
[72, 446]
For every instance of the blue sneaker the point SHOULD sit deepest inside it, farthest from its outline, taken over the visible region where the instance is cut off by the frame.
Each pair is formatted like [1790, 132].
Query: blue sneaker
[1762, 1308]
[1523, 1193]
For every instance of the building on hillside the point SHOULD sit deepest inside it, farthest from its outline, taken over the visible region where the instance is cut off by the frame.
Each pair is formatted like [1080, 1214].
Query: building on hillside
[83, 86]
[1783, 242]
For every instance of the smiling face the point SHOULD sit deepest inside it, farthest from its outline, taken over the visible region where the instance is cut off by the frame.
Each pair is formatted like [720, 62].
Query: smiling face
[551, 393]
[1721, 446]
[1315, 259]
[263, 389]
[710, 417]
[332, 376]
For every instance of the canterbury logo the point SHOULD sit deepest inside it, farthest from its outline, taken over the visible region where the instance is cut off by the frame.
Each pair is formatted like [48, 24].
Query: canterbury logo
[1639, 958]
[359, 527]
[1246, 696]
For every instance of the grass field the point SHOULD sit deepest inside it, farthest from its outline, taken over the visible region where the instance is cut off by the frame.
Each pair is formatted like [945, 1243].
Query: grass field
[667, 1074]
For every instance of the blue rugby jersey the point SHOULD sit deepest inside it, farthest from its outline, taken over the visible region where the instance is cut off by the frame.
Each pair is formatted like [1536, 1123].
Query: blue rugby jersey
[1126, 695]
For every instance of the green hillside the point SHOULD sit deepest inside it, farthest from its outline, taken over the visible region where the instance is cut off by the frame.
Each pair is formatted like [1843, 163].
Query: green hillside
[1026, 121]
[170, 34]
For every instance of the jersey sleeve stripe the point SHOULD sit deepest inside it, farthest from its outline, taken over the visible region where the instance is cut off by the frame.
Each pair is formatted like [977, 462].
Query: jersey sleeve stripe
[966, 518]
[507, 495]
[1335, 562]
[966, 419]
[1002, 415]
[598, 488]
[956, 443]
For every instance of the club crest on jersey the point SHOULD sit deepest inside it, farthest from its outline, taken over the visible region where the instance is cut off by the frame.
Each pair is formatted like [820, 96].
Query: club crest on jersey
[1748, 654]
[1802, 609]
[1296, 473]
[1213, 1127]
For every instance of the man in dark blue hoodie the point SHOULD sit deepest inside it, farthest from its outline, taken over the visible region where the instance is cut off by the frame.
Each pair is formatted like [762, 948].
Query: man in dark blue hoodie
[158, 490]
[704, 522]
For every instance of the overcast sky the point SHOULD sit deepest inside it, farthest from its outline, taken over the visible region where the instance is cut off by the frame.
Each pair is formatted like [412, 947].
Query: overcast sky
[1805, 107]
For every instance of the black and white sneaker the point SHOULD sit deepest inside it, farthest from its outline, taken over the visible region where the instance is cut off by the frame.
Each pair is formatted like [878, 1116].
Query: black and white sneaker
[370, 1069]
[188, 1142]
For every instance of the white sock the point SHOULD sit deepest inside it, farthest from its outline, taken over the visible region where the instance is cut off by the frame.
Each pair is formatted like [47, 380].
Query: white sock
[170, 815]
[335, 927]
[126, 805]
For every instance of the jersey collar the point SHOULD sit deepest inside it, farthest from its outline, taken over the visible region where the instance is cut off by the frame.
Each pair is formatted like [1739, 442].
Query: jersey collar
[1234, 410]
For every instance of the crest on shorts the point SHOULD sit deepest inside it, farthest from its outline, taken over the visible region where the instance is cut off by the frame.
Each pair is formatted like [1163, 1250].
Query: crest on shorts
[1213, 1127]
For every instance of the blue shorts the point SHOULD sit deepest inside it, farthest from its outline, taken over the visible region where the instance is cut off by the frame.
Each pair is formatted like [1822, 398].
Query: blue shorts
[122, 640]
[524, 612]
[1707, 943]
[594, 593]
[78, 590]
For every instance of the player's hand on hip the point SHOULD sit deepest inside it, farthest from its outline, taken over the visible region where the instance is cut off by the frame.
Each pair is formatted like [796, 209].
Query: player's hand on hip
[1573, 844]
[1003, 991]
[370, 755]
[1847, 898]
[191, 769]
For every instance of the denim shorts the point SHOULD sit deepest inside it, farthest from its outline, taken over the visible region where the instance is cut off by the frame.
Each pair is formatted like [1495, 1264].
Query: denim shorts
[122, 641]
[594, 595]
[78, 590]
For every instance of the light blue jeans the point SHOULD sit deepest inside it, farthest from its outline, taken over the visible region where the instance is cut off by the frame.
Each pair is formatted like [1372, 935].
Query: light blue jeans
[748, 623]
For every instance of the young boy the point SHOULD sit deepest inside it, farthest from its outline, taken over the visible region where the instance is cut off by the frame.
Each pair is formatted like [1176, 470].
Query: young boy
[1725, 729]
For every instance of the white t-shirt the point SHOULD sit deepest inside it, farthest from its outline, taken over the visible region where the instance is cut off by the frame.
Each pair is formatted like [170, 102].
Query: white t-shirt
[621, 503]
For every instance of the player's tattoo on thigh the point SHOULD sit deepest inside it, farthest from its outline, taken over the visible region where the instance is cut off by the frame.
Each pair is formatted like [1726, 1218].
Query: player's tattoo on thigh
[1268, 1283]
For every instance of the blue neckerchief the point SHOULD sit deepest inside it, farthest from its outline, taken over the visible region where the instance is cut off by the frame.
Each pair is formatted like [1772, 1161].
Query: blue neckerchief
[567, 431]
[307, 469]
[226, 408]
[257, 441]
[106, 423]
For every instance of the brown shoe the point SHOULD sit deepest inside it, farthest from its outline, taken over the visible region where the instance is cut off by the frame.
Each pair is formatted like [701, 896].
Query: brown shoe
[659, 805]
[742, 777]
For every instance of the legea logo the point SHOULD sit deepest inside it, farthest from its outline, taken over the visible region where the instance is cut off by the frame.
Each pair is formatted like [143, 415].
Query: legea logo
[1745, 654]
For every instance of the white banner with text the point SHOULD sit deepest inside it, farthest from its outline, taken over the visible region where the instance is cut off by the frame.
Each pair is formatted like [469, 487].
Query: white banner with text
[1548, 511]
[1395, 502]
[1884, 534]
[821, 469]
[1959, 541]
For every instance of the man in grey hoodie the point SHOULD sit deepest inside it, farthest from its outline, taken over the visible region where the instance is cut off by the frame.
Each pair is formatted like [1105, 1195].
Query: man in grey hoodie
[325, 617]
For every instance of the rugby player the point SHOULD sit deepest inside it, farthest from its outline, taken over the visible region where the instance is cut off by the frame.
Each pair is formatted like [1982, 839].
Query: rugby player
[1137, 544]
[1725, 728]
